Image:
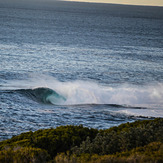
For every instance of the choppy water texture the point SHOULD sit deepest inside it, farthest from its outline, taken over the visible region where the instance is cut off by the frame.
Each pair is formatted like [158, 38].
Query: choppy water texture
[79, 63]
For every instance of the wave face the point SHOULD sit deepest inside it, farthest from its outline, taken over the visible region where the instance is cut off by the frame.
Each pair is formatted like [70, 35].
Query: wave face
[43, 95]
[49, 90]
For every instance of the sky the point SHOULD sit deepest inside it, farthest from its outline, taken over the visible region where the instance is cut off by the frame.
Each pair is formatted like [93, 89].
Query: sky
[130, 2]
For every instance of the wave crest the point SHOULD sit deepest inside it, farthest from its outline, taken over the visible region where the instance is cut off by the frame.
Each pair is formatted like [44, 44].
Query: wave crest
[49, 90]
[43, 95]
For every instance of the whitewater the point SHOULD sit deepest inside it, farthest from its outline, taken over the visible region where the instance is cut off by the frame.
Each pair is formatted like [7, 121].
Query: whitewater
[85, 92]
[67, 63]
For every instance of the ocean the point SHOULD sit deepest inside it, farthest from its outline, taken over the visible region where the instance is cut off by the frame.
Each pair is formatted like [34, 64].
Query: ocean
[67, 63]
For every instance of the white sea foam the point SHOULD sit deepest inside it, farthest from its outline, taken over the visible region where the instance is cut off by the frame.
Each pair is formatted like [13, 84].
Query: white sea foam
[156, 112]
[86, 92]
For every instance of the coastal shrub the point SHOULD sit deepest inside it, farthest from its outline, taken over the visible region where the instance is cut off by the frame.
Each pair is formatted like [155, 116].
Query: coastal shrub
[151, 153]
[141, 140]
[123, 138]
[154, 124]
[62, 138]
[107, 143]
[24, 155]
[53, 141]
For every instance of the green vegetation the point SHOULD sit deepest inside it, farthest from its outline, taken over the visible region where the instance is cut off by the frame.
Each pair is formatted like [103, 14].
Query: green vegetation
[151, 153]
[24, 155]
[141, 141]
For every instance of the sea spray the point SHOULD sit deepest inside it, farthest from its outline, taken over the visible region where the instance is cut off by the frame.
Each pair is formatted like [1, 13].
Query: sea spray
[88, 92]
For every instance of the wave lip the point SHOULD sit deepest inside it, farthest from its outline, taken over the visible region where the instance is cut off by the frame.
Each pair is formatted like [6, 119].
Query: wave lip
[43, 95]
[49, 90]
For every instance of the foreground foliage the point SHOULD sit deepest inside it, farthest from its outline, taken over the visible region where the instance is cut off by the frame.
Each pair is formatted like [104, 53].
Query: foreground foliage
[52, 140]
[141, 141]
[151, 153]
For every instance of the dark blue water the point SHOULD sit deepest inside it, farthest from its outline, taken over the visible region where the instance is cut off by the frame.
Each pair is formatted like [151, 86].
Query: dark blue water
[67, 63]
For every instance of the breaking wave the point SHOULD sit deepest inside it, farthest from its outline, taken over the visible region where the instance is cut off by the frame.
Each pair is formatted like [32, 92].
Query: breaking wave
[43, 95]
[49, 90]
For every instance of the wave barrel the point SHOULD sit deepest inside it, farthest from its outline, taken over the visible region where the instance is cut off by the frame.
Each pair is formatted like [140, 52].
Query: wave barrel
[43, 95]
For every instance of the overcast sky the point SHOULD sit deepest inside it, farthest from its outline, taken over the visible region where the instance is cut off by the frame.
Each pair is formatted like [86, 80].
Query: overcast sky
[132, 2]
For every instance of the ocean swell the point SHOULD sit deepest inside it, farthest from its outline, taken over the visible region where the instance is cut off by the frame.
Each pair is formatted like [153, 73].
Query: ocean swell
[43, 95]
[49, 90]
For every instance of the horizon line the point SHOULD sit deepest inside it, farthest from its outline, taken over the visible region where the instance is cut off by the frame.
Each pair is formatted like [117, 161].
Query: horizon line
[116, 3]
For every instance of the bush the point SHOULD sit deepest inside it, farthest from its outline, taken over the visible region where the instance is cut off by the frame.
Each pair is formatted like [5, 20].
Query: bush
[53, 141]
[123, 138]
[24, 154]
[141, 140]
[151, 153]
